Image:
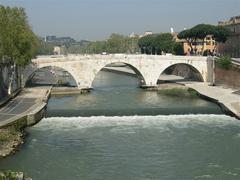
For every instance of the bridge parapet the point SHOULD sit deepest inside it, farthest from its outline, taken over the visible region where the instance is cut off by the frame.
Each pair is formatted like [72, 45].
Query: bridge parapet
[77, 57]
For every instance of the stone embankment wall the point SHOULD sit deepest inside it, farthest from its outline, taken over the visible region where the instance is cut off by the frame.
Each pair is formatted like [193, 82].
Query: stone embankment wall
[7, 79]
[230, 77]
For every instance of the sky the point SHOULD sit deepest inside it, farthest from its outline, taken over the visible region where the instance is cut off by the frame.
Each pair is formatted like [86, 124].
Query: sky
[97, 19]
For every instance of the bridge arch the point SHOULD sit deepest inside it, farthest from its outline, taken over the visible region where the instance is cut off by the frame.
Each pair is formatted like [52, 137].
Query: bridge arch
[196, 73]
[84, 68]
[126, 64]
[35, 69]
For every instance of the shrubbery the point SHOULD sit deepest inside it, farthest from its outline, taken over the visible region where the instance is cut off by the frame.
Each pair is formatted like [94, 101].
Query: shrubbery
[224, 62]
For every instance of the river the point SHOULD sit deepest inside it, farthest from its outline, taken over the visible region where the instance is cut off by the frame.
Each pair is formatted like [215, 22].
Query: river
[119, 131]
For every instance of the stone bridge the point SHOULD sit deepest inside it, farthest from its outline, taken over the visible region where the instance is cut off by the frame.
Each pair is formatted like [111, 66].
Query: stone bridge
[148, 68]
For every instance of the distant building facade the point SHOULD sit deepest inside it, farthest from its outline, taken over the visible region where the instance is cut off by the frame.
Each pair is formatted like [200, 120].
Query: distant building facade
[146, 33]
[133, 35]
[57, 50]
[50, 38]
[232, 46]
[59, 40]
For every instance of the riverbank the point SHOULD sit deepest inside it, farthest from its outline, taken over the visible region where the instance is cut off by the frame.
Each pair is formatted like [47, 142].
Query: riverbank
[174, 89]
[25, 110]
[226, 97]
[10, 175]
[10, 139]
[67, 90]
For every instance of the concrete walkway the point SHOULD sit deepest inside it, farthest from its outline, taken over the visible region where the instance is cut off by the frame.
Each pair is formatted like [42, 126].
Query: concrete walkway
[27, 102]
[224, 96]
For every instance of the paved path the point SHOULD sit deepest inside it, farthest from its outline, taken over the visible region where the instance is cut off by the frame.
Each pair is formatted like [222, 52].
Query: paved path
[225, 96]
[24, 103]
[43, 77]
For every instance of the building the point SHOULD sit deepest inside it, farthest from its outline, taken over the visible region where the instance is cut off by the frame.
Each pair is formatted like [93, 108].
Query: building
[50, 38]
[57, 50]
[232, 46]
[59, 40]
[133, 35]
[146, 33]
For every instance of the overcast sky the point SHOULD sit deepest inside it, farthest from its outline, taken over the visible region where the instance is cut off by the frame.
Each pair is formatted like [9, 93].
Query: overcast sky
[97, 19]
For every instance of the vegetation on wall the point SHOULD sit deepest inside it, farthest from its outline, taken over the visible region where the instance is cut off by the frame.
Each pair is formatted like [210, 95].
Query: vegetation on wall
[224, 62]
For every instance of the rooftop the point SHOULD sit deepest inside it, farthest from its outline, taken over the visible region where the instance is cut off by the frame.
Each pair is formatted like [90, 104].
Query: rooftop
[232, 21]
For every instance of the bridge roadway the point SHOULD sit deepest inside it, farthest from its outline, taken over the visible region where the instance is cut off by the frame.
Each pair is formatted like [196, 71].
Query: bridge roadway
[148, 68]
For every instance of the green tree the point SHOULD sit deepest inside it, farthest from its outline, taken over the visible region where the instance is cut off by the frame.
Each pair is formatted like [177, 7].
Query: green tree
[158, 43]
[18, 43]
[201, 31]
[189, 36]
[221, 35]
[146, 44]
[116, 43]
[163, 43]
[178, 49]
[44, 48]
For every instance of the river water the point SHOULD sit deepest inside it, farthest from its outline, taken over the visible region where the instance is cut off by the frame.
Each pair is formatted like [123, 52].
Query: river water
[121, 132]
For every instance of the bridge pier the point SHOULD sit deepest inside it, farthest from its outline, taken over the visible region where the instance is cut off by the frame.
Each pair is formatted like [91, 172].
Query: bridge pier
[148, 86]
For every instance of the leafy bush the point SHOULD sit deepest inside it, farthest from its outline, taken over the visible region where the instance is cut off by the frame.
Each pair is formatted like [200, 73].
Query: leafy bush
[224, 62]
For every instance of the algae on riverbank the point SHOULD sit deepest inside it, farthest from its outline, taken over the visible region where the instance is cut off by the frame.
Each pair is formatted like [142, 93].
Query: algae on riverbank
[10, 139]
[178, 91]
[10, 175]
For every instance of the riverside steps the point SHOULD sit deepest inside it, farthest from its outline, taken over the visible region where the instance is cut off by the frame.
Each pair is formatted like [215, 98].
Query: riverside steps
[27, 108]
